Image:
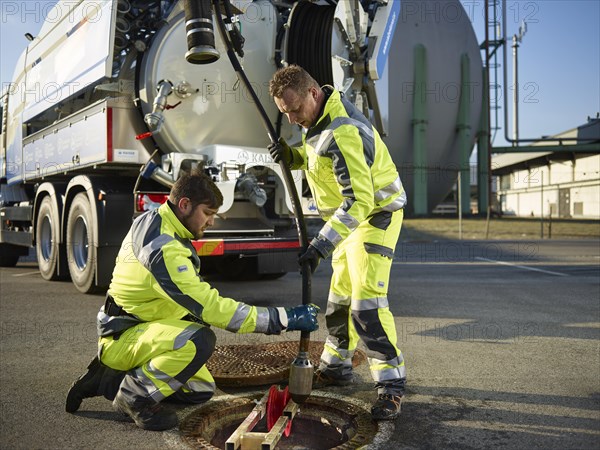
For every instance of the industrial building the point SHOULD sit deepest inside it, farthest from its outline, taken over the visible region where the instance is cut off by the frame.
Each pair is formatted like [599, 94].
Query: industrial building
[561, 184]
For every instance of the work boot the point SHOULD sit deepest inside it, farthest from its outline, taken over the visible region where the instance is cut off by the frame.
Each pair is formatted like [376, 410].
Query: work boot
[98, 380]
[146, 413]
[322, 379]
[387, 407]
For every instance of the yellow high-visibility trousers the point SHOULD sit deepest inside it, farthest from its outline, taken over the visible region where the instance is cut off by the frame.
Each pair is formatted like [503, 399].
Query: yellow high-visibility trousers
[357, 306]
[162, 358]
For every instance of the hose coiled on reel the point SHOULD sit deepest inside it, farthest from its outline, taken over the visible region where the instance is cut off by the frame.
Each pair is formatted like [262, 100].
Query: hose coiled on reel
[309, 40]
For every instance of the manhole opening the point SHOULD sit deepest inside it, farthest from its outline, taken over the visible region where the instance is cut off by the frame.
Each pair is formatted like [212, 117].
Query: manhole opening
[322, 423]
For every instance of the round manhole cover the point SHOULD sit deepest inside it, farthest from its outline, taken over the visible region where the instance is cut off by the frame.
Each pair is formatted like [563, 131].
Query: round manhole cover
[321, 423]
[260, 364]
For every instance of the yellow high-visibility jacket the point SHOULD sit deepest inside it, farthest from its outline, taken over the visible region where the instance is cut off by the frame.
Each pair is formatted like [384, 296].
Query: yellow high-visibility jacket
[157, 276]
[349, 171]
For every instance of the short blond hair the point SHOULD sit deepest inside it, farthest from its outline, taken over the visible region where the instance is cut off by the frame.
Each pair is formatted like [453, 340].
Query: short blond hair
[291, 77]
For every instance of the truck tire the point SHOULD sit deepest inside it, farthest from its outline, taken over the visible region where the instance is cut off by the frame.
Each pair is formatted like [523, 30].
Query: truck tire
[47, 236]
[81, 244]
[9, 255]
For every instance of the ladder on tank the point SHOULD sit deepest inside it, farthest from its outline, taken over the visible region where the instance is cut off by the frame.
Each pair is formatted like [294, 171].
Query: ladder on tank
[494, 40]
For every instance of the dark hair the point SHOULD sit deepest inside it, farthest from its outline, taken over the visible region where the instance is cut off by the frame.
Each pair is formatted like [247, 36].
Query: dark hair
[291, 77]
[199, 188]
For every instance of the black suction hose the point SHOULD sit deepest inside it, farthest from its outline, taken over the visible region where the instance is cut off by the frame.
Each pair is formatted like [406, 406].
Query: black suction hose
[287, 175]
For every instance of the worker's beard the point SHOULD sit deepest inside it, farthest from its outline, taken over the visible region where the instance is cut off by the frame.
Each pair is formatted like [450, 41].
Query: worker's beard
[186, 222]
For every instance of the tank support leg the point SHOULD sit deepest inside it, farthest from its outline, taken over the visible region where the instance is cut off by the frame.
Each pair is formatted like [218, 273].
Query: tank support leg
[464, 133]
[419, 125]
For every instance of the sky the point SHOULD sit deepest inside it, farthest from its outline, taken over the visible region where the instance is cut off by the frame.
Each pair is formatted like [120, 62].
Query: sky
[558, 63]
[559, 57]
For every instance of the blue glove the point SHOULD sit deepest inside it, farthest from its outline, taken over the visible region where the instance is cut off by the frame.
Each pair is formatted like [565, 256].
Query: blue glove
[280, 151]
[302, 318]
[312, 256]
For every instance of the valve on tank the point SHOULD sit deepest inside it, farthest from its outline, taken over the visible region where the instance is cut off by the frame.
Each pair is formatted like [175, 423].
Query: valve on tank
[248, 185]
[155, 119]
[200, 32]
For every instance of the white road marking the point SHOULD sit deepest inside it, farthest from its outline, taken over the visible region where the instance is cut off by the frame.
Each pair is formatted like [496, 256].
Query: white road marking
[518, 266]
[432, 263]
[26, 274]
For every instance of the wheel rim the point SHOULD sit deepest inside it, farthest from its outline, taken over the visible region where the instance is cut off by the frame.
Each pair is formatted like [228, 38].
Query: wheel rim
[80, 243]
[46, 238]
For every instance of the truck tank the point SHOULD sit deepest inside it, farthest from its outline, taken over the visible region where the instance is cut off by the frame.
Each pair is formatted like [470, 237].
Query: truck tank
[214, 108]
[107, 88]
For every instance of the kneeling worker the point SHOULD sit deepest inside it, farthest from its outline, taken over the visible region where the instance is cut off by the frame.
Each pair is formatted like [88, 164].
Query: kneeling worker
[154, 329]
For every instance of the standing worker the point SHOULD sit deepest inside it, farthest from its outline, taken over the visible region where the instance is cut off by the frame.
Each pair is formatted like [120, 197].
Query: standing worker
[359, 194]
[154, 328]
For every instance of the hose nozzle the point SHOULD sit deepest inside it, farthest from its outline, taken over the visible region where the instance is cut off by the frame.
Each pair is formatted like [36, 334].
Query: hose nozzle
[200, 32]
[301, 378]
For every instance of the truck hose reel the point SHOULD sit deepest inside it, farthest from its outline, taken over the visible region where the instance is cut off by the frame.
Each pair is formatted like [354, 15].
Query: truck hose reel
[309, 40]
[200, 32]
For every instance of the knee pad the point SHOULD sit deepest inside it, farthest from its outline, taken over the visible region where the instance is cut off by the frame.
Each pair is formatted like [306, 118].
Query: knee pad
[205, 341]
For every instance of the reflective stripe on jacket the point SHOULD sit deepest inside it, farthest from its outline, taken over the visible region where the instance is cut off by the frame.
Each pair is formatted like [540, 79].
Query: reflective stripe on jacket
[349, 170]
[157, 276]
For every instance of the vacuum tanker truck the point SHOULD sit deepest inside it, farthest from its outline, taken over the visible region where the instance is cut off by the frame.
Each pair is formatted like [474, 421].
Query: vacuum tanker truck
[113, 100]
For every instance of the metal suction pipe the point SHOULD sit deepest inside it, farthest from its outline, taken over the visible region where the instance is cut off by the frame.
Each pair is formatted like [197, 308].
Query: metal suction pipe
[301, 370]
[248, 185]
[153, 171]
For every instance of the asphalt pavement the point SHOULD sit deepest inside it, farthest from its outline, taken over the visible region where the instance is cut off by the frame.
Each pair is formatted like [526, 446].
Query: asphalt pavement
[500, 338]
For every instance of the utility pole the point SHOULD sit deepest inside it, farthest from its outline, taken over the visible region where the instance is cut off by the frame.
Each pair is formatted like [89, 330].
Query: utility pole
[542, 208]
[516, 40]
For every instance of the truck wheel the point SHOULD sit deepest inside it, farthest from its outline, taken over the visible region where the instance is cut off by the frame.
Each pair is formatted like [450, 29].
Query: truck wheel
[81, 246]
[9, 256]
[47, 235]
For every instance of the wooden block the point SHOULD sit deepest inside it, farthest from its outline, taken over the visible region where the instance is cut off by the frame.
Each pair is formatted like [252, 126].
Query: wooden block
[257, 413]
[273, 436]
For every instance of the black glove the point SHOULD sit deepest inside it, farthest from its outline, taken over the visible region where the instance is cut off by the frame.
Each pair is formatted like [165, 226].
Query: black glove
[302, 318]
[312, 256]
[280, 151]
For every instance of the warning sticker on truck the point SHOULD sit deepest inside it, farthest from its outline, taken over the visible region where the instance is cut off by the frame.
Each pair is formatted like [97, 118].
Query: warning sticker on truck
[125, 155]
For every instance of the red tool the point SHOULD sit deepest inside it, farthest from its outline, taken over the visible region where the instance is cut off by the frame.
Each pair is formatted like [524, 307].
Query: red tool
[276, 403]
